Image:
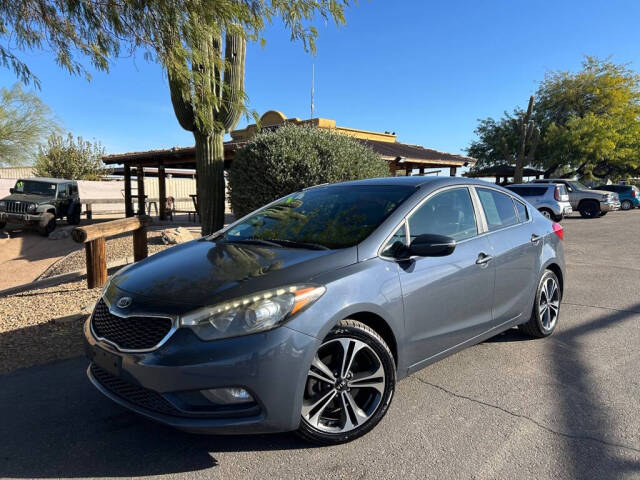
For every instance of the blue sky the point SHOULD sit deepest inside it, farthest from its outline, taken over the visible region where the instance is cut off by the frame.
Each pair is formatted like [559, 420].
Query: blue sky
[424, 69]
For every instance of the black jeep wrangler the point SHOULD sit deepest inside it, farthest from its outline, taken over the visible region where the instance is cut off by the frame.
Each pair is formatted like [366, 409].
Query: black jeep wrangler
[39, 202]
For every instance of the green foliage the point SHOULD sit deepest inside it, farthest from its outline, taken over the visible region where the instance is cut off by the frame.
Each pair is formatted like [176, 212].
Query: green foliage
[24, 124]
[73, 159]
[589, 124]
[276, 163]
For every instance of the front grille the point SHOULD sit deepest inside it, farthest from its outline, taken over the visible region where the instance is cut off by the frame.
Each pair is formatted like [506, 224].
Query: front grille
[14, 206]
[142, 397]
[131, 333]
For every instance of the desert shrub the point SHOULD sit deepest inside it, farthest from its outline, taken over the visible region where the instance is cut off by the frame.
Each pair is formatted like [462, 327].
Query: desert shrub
[275, 163]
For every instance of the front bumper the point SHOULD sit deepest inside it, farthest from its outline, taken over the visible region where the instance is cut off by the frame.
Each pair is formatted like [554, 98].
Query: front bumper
[271, 366]
[609, 206]
[24, 218]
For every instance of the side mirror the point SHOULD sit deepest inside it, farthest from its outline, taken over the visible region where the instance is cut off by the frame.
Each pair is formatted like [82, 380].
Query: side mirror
[12, 191]
[432, 245]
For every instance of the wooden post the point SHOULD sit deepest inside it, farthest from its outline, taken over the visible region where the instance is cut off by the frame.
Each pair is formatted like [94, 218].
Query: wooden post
[452, 171]
[392, 168]
[128, 205]
[89, 212]
[421, 170]
[96, 262]
[162, 192]
[497, 179]
[141, 202]
[140, 250]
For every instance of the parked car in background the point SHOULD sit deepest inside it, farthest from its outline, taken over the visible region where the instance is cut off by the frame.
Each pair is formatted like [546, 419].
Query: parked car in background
[39, 202]
[303, 314]
[551, 200]
[590, 203]
[629, 195]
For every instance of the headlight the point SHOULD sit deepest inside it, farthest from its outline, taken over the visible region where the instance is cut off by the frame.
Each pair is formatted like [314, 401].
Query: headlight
[254, 313]
[31, 208]
[3, 205]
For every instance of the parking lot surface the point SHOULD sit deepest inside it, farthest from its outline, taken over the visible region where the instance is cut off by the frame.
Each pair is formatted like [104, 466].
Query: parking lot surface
[511, 407]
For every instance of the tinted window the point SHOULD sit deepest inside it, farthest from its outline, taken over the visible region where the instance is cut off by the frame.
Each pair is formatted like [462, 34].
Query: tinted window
[522, 211]
[396, 242]
[31, 187]
[498, 208]
[529, 191]
[448, 213]
[335, 216]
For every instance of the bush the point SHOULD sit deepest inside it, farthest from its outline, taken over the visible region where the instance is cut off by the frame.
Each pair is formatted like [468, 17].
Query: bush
[276, 163]
[73, 159]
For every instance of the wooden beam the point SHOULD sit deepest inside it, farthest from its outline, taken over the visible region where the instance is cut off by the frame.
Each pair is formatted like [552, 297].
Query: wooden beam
[89, 233]
[141, 199]
[162, 192]
[128, 206]
[96, 253]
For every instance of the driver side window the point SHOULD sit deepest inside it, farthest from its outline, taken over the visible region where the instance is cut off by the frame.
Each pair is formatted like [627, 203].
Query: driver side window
[448, 213]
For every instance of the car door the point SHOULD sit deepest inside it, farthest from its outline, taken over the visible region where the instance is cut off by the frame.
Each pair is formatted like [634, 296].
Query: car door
[517, 250]
[447, 300]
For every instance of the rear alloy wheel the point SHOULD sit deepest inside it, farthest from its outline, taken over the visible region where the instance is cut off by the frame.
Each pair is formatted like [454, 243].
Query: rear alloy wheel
[349, 385]
[589, 209]
[546, 309]
[626, 205]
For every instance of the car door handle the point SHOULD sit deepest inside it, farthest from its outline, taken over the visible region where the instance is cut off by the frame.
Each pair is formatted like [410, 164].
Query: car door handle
[483, 259]
[535, 238]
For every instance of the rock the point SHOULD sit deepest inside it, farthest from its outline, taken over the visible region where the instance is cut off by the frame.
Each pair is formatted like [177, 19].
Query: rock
[173, 236]
[60, 233]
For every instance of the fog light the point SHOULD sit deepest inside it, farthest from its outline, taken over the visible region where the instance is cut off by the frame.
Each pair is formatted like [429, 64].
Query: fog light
[227, 396]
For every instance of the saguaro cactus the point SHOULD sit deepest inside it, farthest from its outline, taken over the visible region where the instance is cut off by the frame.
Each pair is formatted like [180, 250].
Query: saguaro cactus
[529, 135]
[209, 103]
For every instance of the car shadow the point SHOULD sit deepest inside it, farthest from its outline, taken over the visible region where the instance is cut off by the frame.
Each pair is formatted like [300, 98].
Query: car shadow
[54, 423]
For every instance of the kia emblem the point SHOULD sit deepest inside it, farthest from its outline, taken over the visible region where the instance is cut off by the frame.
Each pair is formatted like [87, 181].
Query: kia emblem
[124, 302]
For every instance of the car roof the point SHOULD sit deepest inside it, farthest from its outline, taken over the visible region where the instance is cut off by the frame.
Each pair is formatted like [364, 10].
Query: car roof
[417, 181]
[48, 180]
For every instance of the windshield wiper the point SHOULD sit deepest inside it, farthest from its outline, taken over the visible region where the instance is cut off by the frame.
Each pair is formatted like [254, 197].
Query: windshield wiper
[258, 241]
[294, 244]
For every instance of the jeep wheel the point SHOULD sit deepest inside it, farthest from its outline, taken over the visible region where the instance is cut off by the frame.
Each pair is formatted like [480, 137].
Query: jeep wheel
[74, 219]
[2, 225]
[589, 209]
[47, 224]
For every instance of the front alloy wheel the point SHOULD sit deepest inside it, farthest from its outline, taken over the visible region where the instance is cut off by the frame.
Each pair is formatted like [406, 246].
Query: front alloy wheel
[349, 385]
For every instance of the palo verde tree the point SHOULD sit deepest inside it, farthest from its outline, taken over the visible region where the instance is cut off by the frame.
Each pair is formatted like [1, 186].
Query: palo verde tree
[200, 43]
[70, 158]
[588, 121]
[25, 121]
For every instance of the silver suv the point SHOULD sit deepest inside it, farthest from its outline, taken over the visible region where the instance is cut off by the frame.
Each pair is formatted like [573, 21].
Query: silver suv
[552, 200]
[590, 203]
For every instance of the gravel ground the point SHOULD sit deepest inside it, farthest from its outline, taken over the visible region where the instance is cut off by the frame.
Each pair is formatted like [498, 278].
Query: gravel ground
[40, 326]
[118, 248]
[44, 325]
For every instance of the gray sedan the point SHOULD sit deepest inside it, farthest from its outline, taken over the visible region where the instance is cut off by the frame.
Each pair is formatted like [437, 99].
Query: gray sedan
[304, 314]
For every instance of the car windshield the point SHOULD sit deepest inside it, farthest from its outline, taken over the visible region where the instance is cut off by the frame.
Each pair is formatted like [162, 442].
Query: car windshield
[336, 216]
[577, 186]
[31, 187]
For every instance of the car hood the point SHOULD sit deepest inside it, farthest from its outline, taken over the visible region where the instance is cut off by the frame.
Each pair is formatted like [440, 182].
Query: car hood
[22, 197]
[204, 272]
[601, 192]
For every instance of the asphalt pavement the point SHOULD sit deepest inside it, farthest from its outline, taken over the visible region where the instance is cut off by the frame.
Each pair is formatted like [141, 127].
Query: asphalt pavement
[511, 407]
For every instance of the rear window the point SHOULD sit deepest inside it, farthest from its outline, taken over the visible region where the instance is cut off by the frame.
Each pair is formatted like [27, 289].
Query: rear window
[529, 191]
[498, 209]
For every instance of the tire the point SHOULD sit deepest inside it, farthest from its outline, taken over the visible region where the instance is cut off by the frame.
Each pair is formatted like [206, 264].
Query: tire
[589, 209]
[543, 321]
[331, 414]
[74, 219]
[602, 214]
[47, 224]
[2, 225]
[626, 205]
[547, 214]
